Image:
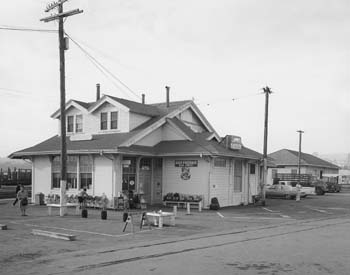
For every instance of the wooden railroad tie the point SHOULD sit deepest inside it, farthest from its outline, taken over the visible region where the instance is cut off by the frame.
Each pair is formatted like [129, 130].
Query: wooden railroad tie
[3, 227]
[55, 235]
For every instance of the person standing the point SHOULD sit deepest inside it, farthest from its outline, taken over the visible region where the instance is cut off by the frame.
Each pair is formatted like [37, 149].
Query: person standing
[22, 196]
[298, 186]
[18, 187]
[82, 198]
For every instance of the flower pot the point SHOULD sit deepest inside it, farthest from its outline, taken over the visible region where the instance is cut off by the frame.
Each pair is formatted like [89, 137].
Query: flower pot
[104, 214]
[84, 213]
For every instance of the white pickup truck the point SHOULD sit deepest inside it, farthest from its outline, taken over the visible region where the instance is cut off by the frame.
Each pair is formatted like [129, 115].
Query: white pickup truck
[305, 190]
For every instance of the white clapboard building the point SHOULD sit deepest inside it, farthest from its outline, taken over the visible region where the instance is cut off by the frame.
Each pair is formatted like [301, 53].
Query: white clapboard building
[115, 145]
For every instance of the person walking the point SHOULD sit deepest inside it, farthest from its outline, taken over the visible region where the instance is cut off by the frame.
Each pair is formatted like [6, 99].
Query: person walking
[22, 196]
[18, 187]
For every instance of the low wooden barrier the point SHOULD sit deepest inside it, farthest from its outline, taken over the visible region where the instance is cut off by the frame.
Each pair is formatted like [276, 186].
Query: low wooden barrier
[55, 235]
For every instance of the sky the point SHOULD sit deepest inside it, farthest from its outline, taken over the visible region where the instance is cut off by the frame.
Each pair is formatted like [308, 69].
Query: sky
[219, 53]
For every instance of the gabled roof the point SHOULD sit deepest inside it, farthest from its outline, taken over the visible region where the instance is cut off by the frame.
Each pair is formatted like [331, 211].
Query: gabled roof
[52, 146]
[113, 143]
[83, 106]
[290, 157]
[139, 108]
[159, 115]
[86, 105]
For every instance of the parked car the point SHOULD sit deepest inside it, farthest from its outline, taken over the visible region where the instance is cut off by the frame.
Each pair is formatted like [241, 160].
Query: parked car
[283, 189]
[333, 187]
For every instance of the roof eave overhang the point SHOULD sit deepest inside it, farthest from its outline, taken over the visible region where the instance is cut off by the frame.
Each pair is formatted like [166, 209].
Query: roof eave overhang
[58, 152]
[70, 103]
[107, 99]
[308, 165]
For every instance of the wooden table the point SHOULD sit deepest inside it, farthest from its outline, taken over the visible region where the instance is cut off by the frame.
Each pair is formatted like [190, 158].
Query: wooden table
[158, 218]
[56, 205]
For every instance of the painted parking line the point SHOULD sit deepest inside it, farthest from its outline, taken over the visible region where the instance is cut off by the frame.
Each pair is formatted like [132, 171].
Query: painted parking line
[79, 231]
[222, 216]
[320, 210]
[272, 211]
[254, 218]
[336, 208]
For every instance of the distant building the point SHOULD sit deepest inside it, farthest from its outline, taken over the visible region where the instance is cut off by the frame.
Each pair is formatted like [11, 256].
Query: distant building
[311, 167]
[116, 145]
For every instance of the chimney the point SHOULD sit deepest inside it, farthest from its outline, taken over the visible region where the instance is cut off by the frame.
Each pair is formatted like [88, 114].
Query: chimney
[98, 92]
[167, 96]
[143, 98]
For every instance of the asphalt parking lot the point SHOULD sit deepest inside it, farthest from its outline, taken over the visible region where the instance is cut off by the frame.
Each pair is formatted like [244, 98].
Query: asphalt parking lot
[94, 236]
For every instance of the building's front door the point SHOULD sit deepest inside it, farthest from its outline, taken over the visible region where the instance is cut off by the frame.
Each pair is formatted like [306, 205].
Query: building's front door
[145, 179]
[252, 181]
[157, 181]
[129, 175]
[237, 182]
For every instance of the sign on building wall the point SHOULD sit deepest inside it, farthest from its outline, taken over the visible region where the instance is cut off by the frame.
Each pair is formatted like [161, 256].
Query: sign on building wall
[185, 173]
[185, 167]
[186, 163]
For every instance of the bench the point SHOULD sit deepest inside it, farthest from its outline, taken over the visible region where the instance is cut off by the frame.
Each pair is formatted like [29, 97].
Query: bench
[54, 205]
[160, 217]
[184, 204]
[55, 235]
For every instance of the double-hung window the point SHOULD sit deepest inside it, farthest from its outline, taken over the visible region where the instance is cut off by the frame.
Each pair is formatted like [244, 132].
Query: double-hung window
[72, 162]
[104, 121]
[70, 124]
[85, 168]
[79, 123]
[114, 120]
[56, 172]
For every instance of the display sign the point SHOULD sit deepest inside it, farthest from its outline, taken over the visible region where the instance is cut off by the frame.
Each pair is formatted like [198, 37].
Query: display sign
[186, 163]
[233, 142]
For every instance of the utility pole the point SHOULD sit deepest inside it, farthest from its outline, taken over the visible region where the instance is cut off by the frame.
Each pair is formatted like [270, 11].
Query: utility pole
[63, 45]
[267, 92]
[299, 155]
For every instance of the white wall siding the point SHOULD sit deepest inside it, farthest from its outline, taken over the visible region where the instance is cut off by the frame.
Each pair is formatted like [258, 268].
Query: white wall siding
[170, 133]
[151, 139]
[103, 176]
[42, 175]
[196, 185]
[191, 120]
[219, 184]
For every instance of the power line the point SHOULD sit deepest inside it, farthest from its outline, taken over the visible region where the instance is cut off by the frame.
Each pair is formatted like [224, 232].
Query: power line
[22, 93]
[234, 99]
[95, 63]
[101, 67]
[14, 28]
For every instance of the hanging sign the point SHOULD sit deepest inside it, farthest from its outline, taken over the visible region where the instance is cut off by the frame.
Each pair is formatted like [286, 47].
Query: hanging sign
[186, 163]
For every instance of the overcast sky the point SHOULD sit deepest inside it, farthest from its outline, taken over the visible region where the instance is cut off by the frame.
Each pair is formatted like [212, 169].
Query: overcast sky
[212, 51]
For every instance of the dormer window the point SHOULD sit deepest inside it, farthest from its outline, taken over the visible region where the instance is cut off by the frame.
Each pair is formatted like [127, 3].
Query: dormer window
[75, 124]
[70, 124]
[104, 121]
[114, 120]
